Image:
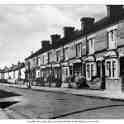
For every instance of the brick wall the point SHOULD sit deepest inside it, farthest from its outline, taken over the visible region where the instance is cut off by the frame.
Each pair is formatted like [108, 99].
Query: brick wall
[120, 33]
[100, 40]
[83, 47]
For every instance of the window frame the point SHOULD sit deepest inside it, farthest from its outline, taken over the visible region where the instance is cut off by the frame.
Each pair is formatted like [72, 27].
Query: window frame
[91, 46]
[112, 38]
[92, 70]
[79, 48]
[110, 70]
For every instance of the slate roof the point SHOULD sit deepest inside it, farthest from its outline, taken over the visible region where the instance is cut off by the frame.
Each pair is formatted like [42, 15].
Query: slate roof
[99, 25]
[38, 52]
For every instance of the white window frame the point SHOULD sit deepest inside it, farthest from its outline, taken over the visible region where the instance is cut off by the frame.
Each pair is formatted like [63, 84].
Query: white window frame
[39, 61]
[112, 38]
[58, 55]
[79, 49]
[114, 74]
[72, 50]
[65, 72]
[92, 71]
[66, 53]
[91, 47]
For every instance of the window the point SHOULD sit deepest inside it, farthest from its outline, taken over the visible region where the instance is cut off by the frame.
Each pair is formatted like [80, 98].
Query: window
[28, 65]
[37, 73]
[35, 61]
[66, 72]
[66, 53]
[111, 67]
[88, 74]
[79, 49]
[72, 51]
[45, 58]
[90, 70]
[59, 55]
[50, 56]
[112, 39]
[38, 61]
[91, 46]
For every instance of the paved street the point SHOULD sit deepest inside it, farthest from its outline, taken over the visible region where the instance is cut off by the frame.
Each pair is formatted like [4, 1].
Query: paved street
[34, 104]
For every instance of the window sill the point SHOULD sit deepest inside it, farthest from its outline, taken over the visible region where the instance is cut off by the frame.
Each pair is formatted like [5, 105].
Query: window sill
[113, 78]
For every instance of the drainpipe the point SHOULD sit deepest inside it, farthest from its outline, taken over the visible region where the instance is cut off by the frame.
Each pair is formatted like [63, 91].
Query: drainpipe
[50, 75]
[29, 77]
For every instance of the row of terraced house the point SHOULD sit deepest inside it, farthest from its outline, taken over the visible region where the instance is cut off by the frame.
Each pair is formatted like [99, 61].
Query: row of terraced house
[13, 74]
[92, 57]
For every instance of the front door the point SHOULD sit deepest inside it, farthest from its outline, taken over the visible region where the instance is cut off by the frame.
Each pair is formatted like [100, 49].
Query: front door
[122, 71]
[103, 74]
[65, 73]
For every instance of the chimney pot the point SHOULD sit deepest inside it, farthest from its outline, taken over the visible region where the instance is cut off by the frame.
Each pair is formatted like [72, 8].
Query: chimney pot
[55, 38]
[114, 10]
[45, 44]
[68, 31]
[86, 22]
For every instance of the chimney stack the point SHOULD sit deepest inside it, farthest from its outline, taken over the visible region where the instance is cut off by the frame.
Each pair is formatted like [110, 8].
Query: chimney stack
[45, 44]
[114, 10]
[86, 22]
[55, 39]
[68, 31]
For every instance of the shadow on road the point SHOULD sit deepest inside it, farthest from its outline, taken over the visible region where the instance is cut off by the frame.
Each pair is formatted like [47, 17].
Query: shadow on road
[5, 94]
[7, 104]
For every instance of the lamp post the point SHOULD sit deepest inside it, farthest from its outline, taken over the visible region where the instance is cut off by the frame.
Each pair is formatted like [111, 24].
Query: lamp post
[29, 76]
[50, 75]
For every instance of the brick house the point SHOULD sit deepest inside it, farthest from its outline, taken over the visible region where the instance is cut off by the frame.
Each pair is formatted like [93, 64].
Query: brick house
[37, 63]
[104, 61]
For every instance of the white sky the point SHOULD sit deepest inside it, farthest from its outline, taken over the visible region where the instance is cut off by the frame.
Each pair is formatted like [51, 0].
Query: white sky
[22, 27]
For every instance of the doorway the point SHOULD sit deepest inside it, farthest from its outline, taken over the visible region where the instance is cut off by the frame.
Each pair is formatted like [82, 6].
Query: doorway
[101, 72]
[122, 71]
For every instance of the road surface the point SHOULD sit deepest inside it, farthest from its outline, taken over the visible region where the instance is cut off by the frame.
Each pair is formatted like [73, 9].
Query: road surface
[33, 104]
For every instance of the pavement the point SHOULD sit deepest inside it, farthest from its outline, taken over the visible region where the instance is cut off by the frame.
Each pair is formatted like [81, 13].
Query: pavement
[118, 95]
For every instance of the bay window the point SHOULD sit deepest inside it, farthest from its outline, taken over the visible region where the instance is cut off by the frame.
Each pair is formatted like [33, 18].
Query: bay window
[112, 68]
[90, 70]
